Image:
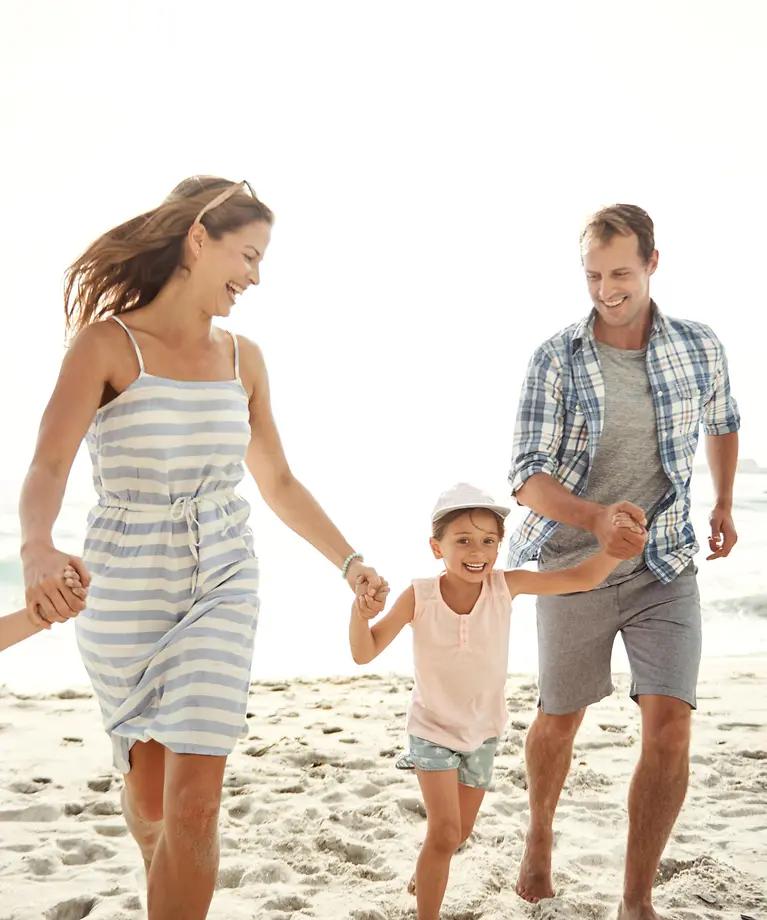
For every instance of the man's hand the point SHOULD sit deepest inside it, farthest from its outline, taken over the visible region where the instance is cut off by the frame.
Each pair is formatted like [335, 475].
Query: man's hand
[621, 542]
[723, 534]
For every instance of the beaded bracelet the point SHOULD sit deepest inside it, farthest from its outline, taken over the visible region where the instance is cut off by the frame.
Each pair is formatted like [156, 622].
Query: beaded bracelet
[349, 559]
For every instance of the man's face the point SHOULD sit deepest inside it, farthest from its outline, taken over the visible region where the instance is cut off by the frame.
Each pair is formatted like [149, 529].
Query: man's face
[619, 280]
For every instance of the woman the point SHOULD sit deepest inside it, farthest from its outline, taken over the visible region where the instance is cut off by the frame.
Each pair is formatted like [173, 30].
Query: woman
[173, 409]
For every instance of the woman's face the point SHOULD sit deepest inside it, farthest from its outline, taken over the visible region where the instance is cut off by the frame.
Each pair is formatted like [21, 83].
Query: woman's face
[222, 269]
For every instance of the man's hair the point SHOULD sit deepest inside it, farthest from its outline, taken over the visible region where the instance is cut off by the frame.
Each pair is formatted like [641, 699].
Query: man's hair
[623, 220]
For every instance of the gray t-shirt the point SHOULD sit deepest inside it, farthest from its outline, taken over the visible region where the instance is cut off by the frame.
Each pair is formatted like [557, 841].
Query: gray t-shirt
[627, 466]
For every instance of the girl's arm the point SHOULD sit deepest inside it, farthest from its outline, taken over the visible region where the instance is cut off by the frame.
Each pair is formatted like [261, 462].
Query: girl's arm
[582, 577]
[285, 495]
[17, 626]
[367, 643]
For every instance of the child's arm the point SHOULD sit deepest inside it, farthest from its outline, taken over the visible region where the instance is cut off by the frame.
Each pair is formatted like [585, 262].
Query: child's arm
[368, 642]
[582, 577]
[16, 626]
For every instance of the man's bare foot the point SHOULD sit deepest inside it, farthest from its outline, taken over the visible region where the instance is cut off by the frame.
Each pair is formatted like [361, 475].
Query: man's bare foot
[637, 912]
[534, 882]
[411, 885]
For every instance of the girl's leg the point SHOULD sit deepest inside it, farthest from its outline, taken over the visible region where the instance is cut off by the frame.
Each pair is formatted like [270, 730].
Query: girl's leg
[443, 834]
[469, 801]
[142, 796]
[185, 865]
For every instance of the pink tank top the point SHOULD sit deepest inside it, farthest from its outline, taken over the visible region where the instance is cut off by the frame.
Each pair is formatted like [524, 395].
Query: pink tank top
[461, 663]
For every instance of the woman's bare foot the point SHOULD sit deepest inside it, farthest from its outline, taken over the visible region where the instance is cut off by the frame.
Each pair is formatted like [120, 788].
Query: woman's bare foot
[637, 912]
[411, 885]
[534, 881]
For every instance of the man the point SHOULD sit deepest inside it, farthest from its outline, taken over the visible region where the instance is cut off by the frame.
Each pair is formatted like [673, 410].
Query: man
[608, 420]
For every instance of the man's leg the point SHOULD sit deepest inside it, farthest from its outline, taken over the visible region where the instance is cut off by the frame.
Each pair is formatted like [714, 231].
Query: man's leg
[575, 639]
[662, 634]
[655, 798]
[548, 754]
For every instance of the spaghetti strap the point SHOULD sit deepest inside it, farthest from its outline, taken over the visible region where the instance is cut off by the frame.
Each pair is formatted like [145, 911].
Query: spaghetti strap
[236, 356]
[135, 344]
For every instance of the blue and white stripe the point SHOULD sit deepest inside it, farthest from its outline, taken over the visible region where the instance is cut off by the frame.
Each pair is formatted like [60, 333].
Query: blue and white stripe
[167, 637]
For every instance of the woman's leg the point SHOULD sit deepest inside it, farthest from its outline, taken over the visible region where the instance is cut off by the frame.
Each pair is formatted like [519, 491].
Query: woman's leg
[185, 865]
[443, 834]
[142, 796]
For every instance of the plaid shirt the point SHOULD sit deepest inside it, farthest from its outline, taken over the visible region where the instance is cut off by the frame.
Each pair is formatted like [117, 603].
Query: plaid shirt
[560, 416]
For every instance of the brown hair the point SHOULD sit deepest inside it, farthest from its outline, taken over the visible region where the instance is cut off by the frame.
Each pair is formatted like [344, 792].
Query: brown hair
[623, 220]
[439, 527]
[126, 267]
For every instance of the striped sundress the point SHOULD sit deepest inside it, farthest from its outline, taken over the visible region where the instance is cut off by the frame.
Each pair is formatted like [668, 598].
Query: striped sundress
[167, 636]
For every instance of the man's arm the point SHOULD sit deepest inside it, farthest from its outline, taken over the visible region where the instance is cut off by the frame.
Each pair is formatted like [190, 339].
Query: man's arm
[721, 422]
[537, 438]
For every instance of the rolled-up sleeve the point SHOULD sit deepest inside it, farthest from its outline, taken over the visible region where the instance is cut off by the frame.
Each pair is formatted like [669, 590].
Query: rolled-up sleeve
[539, 425]
[720, 411]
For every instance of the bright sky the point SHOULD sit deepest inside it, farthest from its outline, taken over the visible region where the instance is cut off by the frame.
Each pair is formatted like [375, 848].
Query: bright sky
[429, 163]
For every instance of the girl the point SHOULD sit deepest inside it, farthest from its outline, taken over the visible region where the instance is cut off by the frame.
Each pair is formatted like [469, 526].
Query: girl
[173, 410]
[460, 623]
[14, 627]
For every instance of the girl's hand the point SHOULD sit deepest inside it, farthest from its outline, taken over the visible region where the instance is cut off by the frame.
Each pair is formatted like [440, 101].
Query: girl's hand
[73, 582]
[49, 598]
[371, 590]
[624, 519]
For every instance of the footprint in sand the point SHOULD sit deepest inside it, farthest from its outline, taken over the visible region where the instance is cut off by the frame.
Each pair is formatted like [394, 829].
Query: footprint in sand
[355, 853]
[81, 852]
[230, 876]
[367, 913]
[73, 909]
[26, 788]
[287, 903]
[272, 873]
[104, 808]
[111, 830]
[42, 864]
[31, 813]
[101, 784]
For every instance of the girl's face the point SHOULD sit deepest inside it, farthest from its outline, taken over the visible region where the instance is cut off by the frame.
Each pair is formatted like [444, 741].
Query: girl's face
[224, 268]
[470, 545]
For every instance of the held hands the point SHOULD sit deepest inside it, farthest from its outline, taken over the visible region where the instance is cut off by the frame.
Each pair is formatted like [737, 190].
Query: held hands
[621, 530]
[370, 588]
[72, 581]
[54, 598]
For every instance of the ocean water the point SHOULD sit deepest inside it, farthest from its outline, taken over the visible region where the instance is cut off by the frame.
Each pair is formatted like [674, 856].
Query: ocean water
[305, 605]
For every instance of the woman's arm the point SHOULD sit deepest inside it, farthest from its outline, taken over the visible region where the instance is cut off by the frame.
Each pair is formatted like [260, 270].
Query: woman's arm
[367, 643]
[66, 419]
[293, 504]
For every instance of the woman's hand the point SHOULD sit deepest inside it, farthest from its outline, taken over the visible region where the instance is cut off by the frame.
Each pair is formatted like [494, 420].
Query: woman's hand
[371, 589]
[53, 596]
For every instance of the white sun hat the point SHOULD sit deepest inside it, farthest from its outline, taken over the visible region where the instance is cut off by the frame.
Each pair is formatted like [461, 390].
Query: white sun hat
[462, 496]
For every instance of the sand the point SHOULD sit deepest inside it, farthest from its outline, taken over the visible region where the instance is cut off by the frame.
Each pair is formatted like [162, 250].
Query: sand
[317, 822]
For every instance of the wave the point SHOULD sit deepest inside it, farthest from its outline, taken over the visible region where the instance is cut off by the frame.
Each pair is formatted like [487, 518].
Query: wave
[752, 605]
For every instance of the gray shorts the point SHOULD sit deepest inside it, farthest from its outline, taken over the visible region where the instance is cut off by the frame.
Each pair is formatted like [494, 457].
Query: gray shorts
[661, 630]
[475, 768]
